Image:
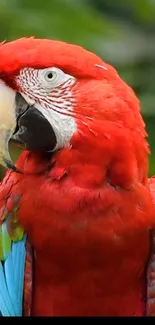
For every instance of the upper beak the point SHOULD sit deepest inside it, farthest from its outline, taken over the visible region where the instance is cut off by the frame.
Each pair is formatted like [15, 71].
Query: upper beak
[8, 122]
[24, 124]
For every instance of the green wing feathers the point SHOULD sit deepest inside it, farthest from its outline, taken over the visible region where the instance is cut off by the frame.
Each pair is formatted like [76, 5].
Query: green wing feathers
[10, 230]
[5, 242]
[12, 253]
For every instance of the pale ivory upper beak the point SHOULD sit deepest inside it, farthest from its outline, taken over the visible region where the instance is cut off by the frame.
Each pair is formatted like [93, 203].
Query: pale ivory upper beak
[7, 123]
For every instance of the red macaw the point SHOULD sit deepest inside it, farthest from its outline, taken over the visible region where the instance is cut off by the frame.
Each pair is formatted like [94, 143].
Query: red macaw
[76, 211]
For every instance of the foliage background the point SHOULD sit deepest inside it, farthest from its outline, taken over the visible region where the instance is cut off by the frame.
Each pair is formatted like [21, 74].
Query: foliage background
[122, 32]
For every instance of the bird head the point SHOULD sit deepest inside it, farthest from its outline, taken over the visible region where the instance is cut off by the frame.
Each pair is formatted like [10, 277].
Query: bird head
[53, 94]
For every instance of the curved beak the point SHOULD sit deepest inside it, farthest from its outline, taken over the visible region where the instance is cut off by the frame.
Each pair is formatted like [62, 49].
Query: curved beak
[22, 123]
[8, 122]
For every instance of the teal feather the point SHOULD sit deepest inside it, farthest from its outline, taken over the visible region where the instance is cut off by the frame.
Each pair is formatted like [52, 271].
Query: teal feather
[19, 271]
[11, 282]
[8, 268]
[14, 251]
[5, 295]
[13, 255]
[3, 306]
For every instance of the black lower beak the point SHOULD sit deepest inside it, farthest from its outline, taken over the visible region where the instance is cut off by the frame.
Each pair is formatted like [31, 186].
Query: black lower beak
[33, 131]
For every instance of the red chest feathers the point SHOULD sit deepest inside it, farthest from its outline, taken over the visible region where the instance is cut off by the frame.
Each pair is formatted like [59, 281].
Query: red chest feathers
[91, 246]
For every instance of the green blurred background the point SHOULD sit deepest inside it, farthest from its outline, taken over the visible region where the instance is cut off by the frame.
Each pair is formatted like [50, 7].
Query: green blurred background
[122, 32]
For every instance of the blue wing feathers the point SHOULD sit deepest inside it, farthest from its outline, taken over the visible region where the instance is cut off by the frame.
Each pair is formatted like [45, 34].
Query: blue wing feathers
[21, 256]
[5, 295]
[4, 307]
[14, 257]
[8, 270]
[12, 280]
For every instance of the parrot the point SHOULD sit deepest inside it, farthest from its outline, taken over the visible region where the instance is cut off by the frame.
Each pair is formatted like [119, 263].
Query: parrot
[77, 208]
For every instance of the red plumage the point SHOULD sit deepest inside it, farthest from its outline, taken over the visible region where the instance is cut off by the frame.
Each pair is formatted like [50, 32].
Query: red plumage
[87, 209]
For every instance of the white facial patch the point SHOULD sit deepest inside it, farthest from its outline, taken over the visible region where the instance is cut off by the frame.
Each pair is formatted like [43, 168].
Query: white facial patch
[50, 91]
[64, 126]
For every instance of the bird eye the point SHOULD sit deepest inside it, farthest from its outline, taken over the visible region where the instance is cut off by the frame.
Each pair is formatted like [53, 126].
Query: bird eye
[50, 75]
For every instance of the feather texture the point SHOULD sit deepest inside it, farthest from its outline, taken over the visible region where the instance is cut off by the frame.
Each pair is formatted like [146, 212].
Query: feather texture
[88, 215]
[12, 279]
[5, 242]
[12, 262]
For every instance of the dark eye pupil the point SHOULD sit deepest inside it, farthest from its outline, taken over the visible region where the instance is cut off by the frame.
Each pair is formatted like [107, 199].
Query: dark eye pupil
[50, 75]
